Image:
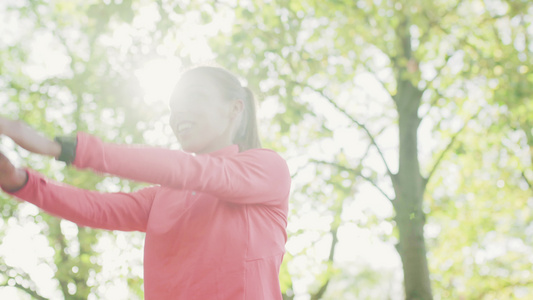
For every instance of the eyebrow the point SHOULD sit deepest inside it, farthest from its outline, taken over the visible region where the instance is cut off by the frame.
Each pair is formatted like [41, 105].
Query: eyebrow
[180, 95]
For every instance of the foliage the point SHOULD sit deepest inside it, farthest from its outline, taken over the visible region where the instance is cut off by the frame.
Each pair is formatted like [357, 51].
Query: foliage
[343, 87]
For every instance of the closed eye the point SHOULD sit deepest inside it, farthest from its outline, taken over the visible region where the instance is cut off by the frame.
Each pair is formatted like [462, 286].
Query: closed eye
[193, 99]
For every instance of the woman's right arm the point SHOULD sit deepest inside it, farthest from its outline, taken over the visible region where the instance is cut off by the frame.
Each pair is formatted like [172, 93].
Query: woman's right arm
[112, 211]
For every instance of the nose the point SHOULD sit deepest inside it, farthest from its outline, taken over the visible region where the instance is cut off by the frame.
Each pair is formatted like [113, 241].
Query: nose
[179, 116]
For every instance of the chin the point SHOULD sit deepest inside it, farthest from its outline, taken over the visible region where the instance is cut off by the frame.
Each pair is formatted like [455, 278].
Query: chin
[191, 148]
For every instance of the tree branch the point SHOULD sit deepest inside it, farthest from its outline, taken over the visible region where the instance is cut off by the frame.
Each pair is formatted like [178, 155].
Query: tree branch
[320, 293]
[381, 82]
[27, 290]
[527, 180]
[298, 170]
[362, 126]
[355, 174]
[432, 103]
[448, 147]
[334, 228]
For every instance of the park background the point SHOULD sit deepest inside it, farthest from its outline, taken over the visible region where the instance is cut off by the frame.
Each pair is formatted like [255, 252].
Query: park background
[407, 126]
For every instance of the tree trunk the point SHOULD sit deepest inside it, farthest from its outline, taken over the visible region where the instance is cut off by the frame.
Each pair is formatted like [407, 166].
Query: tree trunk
[409, 188]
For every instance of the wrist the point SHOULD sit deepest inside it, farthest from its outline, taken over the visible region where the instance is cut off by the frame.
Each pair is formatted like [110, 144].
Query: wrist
[54, 150]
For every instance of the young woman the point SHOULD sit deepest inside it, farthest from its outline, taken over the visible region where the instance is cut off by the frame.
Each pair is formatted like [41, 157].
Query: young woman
[215, 220]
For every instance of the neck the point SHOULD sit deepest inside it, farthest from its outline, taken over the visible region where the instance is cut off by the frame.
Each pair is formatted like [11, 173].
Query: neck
[216, 147]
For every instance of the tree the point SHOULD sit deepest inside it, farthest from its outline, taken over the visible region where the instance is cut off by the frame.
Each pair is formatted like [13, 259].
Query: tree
[483, 218]
[425, 55]
[390, 94]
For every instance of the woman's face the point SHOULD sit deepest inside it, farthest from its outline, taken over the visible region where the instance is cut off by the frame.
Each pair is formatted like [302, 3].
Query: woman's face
[201, 120]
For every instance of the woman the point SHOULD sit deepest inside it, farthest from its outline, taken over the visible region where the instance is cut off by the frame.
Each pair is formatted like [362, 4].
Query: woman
[215, 221]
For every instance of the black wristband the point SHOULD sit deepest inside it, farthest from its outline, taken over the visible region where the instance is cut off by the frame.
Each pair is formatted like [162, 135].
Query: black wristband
[68, 148]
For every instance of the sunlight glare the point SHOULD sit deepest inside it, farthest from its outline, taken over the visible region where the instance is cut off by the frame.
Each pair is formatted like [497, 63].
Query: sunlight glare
[157, 79]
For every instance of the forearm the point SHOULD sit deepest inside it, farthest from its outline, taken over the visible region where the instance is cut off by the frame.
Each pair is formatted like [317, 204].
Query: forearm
[113, 211]
[29, 139]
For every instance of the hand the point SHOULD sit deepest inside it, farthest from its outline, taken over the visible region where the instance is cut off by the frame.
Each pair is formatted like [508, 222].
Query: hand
[28, 138]
[11, 178]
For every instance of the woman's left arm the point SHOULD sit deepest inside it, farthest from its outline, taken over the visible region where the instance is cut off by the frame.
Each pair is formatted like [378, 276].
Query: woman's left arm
[28, 138]
[253, 176]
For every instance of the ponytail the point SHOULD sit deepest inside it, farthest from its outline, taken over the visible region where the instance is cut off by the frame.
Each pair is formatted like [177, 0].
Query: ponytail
[247, 136]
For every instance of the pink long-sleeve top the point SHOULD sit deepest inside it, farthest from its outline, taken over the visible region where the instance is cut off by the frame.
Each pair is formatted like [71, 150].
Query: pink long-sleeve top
[215, 223]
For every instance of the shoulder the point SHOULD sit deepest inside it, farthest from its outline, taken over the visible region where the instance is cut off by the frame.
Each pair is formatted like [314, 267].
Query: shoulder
[267, 160]
[263, 154]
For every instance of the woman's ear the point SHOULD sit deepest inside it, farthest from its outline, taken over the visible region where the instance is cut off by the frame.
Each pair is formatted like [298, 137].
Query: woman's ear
[237, 108]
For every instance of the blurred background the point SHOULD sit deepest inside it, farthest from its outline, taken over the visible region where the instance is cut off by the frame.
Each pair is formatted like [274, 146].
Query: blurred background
[407, 126]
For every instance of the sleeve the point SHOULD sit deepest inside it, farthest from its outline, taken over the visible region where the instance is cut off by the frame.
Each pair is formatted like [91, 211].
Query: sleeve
[253, 176]
[112, 211]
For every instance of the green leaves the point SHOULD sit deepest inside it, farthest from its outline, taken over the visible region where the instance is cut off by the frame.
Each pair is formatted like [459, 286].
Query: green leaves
[310, 62]
[447, 57]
